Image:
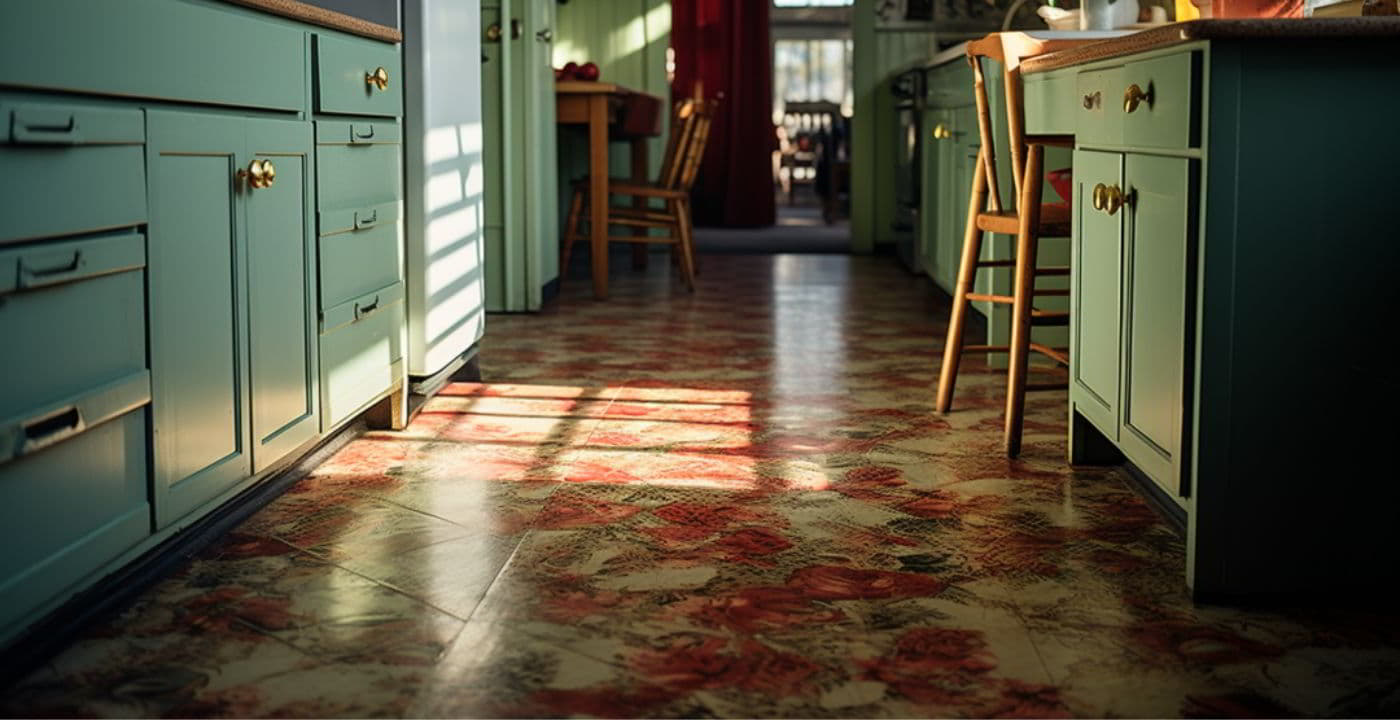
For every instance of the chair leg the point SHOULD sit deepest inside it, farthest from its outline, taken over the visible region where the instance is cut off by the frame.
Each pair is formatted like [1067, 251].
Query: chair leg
[571, 230]
[967, 276]
[1027, 244]
[686, 245]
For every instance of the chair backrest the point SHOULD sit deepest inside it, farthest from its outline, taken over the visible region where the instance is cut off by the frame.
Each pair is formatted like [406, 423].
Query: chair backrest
[695, 148]
[683, 120]
[1009, 49]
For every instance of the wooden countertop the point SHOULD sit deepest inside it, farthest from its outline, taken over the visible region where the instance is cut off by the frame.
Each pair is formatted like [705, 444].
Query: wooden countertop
[324, 18]
[1243, 29]
[1027, 37]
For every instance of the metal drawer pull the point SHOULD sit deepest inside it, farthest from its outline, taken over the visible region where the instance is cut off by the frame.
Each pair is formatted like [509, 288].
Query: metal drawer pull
[65, 128]
[941, 132]
[46, 127]
[30, 276]
[1135, 96]
[361, 311]
[361, 136]
[364, 222]
[1093, 100]
[41, 432]
[379, 78]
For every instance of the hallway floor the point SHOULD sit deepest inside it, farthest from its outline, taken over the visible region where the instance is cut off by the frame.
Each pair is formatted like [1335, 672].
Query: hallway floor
[732, 503]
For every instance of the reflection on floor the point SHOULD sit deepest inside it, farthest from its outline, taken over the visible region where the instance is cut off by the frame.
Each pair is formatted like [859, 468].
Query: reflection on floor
[736, 503]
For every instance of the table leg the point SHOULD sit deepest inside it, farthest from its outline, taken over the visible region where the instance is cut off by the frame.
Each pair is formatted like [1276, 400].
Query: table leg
[639, 176]
[598, 191]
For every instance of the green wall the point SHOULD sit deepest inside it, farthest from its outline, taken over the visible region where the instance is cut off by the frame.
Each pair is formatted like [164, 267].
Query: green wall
[879, 55]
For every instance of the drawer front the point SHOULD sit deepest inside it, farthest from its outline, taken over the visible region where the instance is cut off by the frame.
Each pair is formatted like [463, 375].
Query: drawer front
[356, 177]
[344, 71]
[1050, 103]
[362, 259]
[360, 358]
[70, 169]
[1162, 116]
[223, 58]
[74, 317]
[69, 509]
[1099, 107]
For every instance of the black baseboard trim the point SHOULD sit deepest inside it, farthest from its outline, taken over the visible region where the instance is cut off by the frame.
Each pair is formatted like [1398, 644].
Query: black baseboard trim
[116, 592]
[550, 289]
[1165, 507]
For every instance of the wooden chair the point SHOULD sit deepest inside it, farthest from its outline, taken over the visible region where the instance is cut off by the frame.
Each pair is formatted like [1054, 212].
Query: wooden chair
[813, 131]
[1028, 222]
[685, 147]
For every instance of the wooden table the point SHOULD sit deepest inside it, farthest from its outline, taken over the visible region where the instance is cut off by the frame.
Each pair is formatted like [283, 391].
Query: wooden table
[598, 106]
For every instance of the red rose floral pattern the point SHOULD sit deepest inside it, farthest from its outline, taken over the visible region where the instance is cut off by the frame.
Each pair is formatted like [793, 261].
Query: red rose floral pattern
[737, 502]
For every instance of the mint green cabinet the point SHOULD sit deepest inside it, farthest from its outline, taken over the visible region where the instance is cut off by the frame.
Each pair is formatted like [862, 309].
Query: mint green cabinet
[282, 292]
[1095, 312]
[176, 51]
[520, 154]
[1158, 242]
[1130, 306]
[232, 349]
[72, 418]
[198, 324]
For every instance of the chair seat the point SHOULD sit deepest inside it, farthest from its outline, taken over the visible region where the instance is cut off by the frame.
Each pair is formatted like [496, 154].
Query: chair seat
[621, 186]
[1054, 221]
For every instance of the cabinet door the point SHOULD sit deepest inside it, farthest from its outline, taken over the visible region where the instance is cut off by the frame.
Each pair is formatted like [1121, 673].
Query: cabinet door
[965, 144]
[949, 224]
[281, 292]
[932, 208]
[1096, 293]
[198, 330]
[1155, 314]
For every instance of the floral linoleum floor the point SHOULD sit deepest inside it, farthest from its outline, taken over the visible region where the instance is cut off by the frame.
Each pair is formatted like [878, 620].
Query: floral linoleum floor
[732, 503]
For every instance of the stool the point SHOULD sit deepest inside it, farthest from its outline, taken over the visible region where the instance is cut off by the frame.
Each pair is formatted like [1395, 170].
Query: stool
[1027, 222]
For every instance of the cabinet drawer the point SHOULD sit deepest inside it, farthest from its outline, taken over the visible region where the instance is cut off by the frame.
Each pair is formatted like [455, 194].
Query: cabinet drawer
[361, 344]
[73, 315]
[1164, 118]
[1050, 101]
[155, 49]
[69, 509]
[356, 177]
[70, 169]
[1099, 107]
[361, 258]
[344, 71]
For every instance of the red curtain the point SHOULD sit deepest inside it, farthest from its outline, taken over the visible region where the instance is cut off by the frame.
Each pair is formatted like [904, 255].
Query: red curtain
[725, 45]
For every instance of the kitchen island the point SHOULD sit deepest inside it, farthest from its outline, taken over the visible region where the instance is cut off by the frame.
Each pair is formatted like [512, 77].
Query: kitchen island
[1234, 253]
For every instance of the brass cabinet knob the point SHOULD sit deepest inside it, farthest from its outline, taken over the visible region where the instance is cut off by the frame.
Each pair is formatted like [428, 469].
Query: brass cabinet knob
[1113, 199]
[379, 78]
[260, 174]
[1135, 96]
[493, 33]
[1099, 191]
[941, 132]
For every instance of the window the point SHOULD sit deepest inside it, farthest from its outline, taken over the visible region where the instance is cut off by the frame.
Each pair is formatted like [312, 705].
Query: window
[818, 69]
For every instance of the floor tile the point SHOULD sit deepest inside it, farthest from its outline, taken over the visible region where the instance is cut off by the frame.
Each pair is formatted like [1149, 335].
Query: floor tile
[736, 502]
